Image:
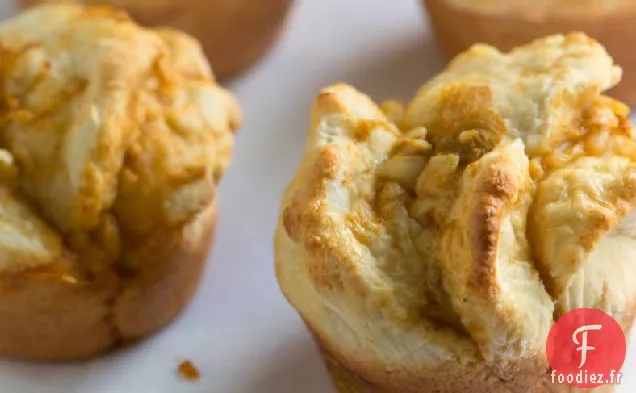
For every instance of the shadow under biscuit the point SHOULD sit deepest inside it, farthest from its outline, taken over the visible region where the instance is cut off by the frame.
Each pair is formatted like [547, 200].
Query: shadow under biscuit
[295, 367]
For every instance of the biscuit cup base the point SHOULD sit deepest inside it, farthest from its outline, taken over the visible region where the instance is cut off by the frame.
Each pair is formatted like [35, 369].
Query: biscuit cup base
[45, 318]
[347, 381]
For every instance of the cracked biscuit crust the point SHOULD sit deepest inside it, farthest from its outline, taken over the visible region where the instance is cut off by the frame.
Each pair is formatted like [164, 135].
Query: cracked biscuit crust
[112, 142]
[419, 242]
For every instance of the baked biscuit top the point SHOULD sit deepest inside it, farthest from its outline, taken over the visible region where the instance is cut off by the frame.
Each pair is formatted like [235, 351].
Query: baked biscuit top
[109, 125]
[462, 225]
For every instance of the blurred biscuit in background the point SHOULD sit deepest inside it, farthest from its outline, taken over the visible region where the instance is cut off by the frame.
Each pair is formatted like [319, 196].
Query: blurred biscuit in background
[506, 24]
[235, 34]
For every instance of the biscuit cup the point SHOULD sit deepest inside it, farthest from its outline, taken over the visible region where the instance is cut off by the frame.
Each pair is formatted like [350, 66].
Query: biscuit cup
[114, 138]
[431, 248]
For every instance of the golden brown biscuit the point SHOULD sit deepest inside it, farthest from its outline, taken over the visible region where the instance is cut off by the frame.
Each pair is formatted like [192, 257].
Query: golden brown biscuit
[113, 140]
[234, 33]
[431, 249]
[506, 24]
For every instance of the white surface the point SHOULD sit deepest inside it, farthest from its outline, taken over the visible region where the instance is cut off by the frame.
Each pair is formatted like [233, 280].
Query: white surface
[240, 332]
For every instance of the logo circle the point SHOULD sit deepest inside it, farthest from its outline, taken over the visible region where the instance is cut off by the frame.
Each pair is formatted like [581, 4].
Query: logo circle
[586, 348]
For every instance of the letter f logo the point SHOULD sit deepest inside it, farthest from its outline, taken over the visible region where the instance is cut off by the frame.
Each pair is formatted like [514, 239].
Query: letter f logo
[583, 344]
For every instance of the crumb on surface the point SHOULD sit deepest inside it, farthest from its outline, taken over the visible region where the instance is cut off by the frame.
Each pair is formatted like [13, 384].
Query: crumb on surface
[188, 371]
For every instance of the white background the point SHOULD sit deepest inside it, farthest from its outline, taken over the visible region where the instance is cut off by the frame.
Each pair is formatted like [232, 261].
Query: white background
[240, 331]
